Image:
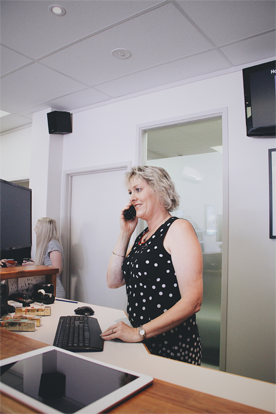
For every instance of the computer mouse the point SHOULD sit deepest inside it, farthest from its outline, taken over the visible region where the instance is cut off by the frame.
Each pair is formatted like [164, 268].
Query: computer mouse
[84, 310]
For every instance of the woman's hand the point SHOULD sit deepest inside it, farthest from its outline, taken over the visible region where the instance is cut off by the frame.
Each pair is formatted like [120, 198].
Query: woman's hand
[127, 226]
[28, 262]
[121, 331]
[114, 275]
[2, 262]
[8, 263]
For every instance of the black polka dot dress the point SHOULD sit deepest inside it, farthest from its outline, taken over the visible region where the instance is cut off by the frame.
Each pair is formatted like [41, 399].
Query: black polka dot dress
[152, 289]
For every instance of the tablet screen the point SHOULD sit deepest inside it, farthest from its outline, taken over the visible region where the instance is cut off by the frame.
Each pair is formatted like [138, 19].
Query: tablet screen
[66, 382]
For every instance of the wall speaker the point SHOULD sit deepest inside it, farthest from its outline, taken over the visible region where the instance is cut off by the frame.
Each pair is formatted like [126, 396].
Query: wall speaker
[59, 122]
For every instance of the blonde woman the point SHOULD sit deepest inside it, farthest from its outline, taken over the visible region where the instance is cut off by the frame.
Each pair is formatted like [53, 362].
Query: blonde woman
[49, 249]
[162, 271]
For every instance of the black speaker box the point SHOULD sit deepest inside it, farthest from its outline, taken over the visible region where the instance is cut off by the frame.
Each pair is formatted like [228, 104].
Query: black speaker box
[59, 122]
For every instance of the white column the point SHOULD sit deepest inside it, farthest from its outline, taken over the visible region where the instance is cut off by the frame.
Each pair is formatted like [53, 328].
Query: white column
[45, 171]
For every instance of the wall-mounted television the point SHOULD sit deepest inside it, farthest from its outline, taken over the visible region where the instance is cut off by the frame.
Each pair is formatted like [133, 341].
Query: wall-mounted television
[15, 221]
[259, 94]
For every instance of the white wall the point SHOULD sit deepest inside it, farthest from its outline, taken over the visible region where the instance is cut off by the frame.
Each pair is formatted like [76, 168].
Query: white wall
[110, 133]
[15, 155]
[45, 171]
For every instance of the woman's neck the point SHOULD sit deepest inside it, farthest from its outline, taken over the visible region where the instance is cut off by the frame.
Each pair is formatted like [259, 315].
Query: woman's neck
[157, 220]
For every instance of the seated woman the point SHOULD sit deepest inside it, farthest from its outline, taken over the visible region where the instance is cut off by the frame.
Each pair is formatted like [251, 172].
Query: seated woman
[49, 250]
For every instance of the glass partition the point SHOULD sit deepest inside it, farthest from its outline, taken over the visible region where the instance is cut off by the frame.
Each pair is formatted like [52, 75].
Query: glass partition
[192, 155]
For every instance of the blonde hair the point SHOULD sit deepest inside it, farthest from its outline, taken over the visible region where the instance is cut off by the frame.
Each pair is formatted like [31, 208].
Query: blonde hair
[161, 183]
[46, 230]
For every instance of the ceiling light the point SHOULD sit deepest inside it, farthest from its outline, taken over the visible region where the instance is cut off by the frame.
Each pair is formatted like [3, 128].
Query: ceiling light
[121, 53]
[192, 175]
[57, 10]
[3, 113]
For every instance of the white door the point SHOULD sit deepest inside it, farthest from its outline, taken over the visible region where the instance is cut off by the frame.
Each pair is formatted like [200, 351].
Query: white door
[97, 198]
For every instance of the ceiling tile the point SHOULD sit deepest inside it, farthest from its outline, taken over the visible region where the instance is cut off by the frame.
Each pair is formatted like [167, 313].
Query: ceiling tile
[29, 27]
[250, 50]
[165, 74]
[181, 140]
[51, 61]
[13, 121]
[11, 60]
[146, 38]
[33, 85]
[79, 99]
[28, 112]
[225, 21]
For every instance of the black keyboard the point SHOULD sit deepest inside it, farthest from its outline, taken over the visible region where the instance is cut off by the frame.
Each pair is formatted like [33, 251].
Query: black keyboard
[78, 334]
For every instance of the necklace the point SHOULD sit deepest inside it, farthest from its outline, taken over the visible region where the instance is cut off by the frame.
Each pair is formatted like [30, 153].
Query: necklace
[145, 238]
[147, 233]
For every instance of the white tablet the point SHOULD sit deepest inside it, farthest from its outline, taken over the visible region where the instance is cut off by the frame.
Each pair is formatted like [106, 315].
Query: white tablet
[53, 380]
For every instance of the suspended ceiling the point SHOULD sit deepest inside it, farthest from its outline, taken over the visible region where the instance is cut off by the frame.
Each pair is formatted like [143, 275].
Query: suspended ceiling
[66, 62]
[199, 137]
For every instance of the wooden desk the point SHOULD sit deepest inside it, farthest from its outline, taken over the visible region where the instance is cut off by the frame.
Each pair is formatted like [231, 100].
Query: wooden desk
[161, 397]
[32, 270]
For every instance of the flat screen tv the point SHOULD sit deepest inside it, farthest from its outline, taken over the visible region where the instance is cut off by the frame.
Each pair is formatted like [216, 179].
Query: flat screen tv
[259, 94]
[15, 221]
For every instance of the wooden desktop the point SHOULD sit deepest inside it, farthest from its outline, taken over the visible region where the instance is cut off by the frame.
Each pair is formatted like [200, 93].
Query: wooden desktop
[161, 397]
[164, 396]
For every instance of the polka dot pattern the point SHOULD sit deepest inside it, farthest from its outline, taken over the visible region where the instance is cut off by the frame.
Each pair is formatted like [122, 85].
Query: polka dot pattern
[152, 289]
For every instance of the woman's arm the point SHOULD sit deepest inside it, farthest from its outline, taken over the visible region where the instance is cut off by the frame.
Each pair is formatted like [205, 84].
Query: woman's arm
[8, 263]
[28, 262]
[114, 276]
[182, 243]
[56, 260]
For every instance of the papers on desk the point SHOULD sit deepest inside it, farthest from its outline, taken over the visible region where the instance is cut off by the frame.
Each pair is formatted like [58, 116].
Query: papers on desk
[37, 310]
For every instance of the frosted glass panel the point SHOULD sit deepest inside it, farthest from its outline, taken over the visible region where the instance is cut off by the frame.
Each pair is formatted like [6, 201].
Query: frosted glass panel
[198, 177]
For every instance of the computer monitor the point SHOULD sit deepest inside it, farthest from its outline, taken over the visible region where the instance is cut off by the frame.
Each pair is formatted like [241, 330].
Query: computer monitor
[15, 220]
[259, 96]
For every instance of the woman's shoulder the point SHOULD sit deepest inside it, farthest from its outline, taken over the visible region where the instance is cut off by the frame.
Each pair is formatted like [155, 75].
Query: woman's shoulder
[181, 233]
[54, 245]
[181, 226]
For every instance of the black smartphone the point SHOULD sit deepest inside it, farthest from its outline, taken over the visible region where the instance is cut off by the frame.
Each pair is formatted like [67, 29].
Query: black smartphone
[130, 213]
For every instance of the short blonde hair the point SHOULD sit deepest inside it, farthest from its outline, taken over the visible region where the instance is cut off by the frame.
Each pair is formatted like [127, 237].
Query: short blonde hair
[161, 183]
[46, 230]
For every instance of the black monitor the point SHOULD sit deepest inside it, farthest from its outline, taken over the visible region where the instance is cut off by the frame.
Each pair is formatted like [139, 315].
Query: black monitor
[15, 221]
[259, 94]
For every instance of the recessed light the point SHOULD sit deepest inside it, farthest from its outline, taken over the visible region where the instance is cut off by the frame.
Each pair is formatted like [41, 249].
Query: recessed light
[121, 53]
[57, 10]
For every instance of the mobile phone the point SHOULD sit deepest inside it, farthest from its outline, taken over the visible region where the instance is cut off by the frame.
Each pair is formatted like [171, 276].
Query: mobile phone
[130, 213]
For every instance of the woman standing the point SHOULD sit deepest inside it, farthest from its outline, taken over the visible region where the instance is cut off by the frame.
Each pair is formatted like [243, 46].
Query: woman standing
[162, 271]
[49, 249]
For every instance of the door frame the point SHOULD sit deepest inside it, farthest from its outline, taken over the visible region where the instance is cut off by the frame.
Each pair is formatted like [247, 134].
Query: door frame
[66, 203]
[141, 156]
